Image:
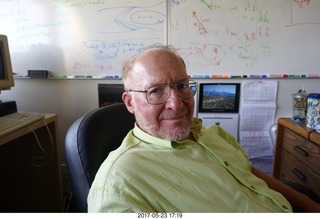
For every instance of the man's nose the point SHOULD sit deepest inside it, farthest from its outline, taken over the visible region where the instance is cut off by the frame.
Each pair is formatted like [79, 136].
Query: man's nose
[174, 100]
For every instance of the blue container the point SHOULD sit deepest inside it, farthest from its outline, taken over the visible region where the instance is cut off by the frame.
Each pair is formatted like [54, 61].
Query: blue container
[313, 111]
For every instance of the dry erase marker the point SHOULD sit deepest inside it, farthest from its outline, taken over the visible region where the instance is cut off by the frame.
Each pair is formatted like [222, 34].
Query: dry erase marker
[275, 76]
[216, 76]
[254, 76]
[226, 76]
[236, 76]
[97, 76]
[294, 76]
[200, 76]
[313, 75]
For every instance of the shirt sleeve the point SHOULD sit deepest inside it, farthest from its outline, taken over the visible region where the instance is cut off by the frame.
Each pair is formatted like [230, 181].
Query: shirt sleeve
[113, 201]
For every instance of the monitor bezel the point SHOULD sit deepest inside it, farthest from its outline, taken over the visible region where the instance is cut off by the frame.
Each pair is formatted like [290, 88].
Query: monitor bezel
[201, 108]
[7, 82]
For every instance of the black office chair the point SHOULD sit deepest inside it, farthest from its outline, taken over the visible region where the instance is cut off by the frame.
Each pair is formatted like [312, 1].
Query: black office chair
[89, 141]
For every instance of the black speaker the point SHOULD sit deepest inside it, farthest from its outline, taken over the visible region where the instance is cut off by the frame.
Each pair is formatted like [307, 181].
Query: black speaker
[37, 73]
[8, 107]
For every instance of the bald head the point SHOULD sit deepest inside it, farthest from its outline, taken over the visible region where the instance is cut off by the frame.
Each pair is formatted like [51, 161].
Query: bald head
[150, 62]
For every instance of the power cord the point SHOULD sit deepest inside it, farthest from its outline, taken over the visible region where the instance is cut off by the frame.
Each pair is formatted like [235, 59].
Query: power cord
[34, 159]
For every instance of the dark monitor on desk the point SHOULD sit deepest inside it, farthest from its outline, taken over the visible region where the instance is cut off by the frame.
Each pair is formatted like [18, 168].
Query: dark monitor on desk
[110, 94]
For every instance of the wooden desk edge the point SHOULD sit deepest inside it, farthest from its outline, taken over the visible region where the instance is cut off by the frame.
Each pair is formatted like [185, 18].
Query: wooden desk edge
[302, 129]
[49, 118]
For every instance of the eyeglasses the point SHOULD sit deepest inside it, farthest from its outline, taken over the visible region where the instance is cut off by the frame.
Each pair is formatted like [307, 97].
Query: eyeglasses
[159, 94]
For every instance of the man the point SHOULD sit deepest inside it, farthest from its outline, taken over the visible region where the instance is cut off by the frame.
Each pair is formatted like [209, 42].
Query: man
[169, 162]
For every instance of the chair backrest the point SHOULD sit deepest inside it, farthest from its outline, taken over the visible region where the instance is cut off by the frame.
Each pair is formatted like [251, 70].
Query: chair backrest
[89, 141]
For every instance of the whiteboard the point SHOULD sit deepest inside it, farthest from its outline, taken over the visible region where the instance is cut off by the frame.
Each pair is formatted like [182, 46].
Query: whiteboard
[247, 36]
[72, 37]
[93, 37]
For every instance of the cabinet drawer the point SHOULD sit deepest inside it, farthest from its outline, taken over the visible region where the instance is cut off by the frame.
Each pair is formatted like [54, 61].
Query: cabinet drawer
[303, 150]
[293, 170]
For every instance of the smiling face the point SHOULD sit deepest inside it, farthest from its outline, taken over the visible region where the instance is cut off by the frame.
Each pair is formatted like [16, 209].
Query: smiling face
[172, 119]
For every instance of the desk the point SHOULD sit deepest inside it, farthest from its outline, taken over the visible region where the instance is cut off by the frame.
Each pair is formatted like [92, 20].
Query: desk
[30, 178]
[297, 155]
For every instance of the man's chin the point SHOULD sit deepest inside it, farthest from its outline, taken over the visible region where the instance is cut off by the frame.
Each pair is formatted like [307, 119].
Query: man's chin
[176, 134]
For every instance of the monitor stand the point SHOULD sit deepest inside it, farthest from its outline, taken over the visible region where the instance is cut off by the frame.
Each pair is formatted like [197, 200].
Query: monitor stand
[7, 107]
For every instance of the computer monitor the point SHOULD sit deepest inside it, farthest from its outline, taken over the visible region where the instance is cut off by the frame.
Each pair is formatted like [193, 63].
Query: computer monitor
[219, 97]
[6, 74]
[110, 94]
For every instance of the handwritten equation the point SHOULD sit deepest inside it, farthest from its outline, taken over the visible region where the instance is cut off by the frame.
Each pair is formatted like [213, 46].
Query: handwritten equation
[226, 36]
[242, 29]
[87, 37]
[106, 53]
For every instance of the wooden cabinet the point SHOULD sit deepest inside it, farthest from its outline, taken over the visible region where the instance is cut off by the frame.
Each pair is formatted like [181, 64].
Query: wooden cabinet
[297, 155]
[30, 169]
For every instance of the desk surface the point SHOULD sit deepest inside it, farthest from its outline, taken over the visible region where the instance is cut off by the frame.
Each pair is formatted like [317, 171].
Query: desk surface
[49, 118]
[302, 129]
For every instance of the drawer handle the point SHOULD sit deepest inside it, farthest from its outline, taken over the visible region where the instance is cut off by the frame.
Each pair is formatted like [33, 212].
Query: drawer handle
[298, 174]
[301, 151]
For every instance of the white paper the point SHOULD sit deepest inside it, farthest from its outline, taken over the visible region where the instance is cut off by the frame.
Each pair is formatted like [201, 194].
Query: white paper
[257, 113]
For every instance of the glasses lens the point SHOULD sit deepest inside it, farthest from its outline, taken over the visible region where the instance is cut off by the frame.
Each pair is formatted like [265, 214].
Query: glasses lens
[158, 94]
[187, 90]
[193, 87]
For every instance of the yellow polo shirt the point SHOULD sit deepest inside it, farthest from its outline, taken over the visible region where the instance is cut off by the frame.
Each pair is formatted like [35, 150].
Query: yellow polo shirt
[211, 174]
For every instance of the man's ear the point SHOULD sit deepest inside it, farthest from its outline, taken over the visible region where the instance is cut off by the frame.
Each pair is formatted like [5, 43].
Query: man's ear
[127, 99]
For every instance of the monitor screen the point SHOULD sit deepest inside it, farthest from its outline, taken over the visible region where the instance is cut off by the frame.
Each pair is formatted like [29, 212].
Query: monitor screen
[219, 97]
[110, 94]
[6, 75]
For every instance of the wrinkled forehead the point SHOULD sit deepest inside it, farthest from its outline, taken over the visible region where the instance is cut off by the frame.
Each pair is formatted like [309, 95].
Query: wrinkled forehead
[157, 67]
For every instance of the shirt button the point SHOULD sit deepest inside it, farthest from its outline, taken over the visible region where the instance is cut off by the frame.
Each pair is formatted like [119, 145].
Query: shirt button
[284, 207]
[226, 163]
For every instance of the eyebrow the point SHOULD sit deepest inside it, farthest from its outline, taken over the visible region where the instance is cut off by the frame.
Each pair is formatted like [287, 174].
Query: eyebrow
[176, 82]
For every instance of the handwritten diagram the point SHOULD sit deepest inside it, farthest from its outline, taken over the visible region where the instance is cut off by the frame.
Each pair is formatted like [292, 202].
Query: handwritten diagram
[304, 12]
[240, 36]
[93, 37]
[217, 30]
[132, 18]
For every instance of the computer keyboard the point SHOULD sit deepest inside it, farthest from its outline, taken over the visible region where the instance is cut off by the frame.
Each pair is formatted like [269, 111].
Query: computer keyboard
[14, 121]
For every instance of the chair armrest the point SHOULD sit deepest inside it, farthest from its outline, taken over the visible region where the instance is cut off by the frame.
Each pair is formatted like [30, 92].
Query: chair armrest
[298, 200]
